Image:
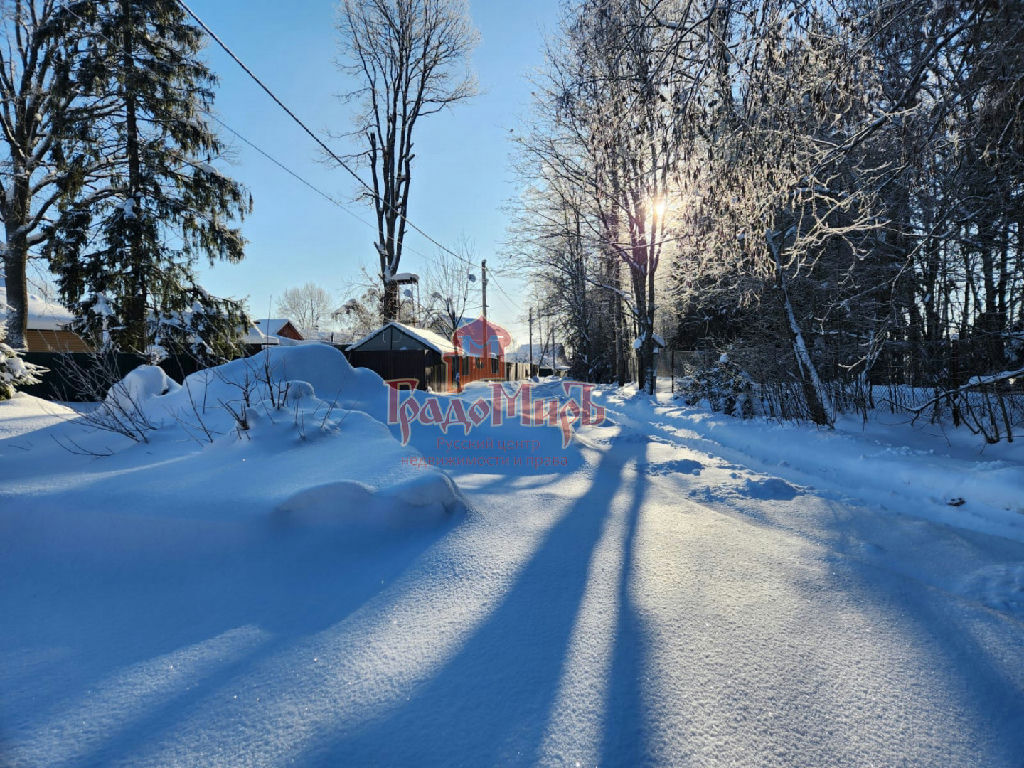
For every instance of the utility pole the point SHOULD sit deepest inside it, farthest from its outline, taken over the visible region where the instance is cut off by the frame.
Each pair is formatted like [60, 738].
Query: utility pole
[531, 342]
[483, 282]
[483, 285]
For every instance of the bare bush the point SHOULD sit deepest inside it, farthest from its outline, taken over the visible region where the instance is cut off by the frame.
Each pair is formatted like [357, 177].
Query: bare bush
[101, 380]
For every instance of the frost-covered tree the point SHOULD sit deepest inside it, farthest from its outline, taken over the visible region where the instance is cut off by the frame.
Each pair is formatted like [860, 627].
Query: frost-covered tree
[612, 136]
[359, 315]
[50, 145]
[409, 58]
[309, 306]
[842, 182]
[169, 205]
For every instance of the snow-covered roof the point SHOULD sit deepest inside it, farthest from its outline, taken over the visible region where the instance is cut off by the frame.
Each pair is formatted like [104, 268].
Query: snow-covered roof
[434, 341]
[272, 326]
[253, 335]
[43, 315]
[330, 337]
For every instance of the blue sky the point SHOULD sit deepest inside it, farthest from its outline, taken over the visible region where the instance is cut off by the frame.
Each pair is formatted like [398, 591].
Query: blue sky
[462, 177]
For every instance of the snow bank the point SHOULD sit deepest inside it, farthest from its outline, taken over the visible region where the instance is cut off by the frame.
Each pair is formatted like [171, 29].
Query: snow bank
[311, 381]
[141, 385]
[264, 376]
[950, 477]
[285, 434]
[362, 511]
[24, 414]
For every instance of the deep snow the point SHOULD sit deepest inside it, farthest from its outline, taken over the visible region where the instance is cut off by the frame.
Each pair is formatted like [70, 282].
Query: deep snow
[685, 589]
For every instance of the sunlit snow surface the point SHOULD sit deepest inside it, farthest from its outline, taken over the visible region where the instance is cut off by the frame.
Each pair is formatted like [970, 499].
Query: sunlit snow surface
[688, 590]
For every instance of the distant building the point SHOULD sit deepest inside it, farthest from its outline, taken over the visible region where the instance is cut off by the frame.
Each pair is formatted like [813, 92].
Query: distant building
[480, 349]
[281, 327]
[396, 351]
[49, 325]
[546, 362]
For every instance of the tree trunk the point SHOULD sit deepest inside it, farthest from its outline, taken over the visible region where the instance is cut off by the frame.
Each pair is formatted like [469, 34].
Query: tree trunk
[16, 262]
[17, 295]
[652, 374]
[639, 287]
[818, 401]
[389, 302]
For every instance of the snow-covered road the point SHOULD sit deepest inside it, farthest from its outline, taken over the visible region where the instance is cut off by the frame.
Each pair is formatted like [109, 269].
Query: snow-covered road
[652, 603]
[678, 609]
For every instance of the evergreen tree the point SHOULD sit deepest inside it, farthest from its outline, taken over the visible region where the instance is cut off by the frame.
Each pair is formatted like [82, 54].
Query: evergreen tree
[170, 206]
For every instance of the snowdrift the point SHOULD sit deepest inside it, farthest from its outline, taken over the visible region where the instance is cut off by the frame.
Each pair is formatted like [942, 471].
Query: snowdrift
[367, 512]
[268, 376]
[286, 434]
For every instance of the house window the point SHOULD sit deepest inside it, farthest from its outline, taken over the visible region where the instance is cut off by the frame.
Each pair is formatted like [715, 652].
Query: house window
[494, 366]
[479, 362]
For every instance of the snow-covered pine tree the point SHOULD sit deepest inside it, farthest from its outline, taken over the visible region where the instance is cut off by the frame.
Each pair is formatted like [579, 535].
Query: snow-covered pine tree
[146, 54]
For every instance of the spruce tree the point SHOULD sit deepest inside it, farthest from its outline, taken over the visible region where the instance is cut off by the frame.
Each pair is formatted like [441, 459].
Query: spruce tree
[170, 207]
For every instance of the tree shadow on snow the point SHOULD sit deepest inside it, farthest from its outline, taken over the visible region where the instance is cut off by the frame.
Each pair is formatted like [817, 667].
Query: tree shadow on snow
[624, 736]
[491, 702]
[275, 586]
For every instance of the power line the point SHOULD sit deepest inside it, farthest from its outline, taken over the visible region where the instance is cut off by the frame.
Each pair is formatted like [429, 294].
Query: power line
[518, 305]
[327, 196]
[312, 135]
[289, 171]
[273, 159]
[293, 173]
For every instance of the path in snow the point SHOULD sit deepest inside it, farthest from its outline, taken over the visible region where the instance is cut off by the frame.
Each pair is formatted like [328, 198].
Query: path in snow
[653, 606]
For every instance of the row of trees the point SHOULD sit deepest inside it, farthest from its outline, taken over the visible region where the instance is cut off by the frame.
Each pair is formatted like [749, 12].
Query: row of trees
[832, 190]
[107, 171]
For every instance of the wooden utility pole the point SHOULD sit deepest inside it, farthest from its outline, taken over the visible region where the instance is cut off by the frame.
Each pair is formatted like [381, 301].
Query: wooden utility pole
[483, 285]
[531, 342]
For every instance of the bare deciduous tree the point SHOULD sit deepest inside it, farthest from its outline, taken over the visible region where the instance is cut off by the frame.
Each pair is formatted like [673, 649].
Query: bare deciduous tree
[409, 57]
[309, 306]
[446, 292]
[48, 146]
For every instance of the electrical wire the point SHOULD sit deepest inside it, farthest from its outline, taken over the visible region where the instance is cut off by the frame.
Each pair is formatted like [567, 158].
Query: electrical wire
[320, 143]
[289, 171]
[309, 131]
